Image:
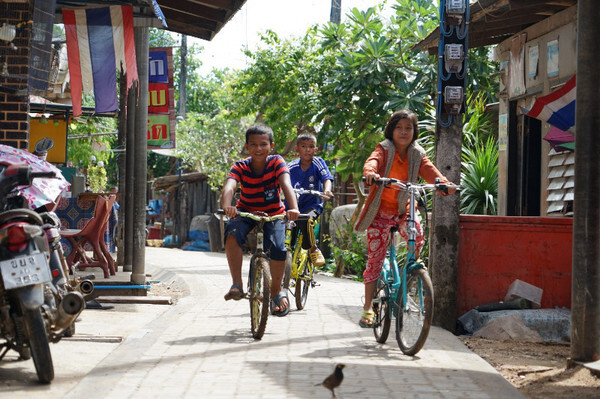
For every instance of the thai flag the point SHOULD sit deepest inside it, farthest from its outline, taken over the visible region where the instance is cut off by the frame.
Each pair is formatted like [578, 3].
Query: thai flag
[558, 107]
[99, 42]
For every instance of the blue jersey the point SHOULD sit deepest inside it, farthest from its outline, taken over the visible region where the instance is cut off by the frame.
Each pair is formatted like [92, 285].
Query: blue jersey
[310, 179]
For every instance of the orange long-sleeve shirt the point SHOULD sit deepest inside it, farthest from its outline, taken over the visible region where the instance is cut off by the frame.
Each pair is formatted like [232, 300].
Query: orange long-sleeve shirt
[389, 197]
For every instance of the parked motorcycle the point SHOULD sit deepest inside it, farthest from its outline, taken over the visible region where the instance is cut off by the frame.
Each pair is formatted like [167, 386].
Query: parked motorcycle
[36, 306]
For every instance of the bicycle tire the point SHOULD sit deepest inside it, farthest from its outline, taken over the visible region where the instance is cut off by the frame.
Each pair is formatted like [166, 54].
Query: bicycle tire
[303, 281]
[381, 307]
[259, 291]
[414, 320]
[39, 346]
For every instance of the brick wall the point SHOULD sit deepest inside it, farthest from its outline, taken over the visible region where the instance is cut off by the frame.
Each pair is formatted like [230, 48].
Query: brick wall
[14, 105]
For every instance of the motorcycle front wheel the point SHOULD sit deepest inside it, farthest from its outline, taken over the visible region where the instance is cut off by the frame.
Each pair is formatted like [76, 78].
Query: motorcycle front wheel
[38, 343]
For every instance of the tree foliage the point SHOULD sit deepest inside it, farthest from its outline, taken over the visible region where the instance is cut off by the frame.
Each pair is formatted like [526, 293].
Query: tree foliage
[281, 85]
[81, 150]
[211, 144]
[341, 82]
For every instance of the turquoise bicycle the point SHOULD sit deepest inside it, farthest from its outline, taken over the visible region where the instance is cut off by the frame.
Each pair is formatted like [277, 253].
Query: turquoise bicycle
[405, 292]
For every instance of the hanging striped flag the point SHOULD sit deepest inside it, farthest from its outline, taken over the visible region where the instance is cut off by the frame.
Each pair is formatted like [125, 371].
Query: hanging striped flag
[99, 42]
[558, 107]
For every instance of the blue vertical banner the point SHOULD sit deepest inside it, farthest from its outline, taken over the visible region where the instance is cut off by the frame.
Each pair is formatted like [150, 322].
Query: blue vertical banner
[161, 99]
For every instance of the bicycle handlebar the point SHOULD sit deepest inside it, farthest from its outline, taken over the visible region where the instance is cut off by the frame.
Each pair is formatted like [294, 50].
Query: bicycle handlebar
[402, 185]
[266, 218]
[301, 191]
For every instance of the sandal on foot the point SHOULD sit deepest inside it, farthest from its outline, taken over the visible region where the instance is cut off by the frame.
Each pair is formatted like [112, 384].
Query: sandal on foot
[367, 319]
[276, 302]
[235, 292]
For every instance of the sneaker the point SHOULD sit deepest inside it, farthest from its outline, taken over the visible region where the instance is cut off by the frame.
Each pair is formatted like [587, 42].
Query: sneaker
[316, 257]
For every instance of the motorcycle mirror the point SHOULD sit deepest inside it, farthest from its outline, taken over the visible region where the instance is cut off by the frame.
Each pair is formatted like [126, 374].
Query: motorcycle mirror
[44, 145]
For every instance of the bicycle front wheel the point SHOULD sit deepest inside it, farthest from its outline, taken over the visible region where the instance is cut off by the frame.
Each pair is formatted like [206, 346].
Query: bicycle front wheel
[304, 281]
[259, 293]
[414, 317]
[381, 307]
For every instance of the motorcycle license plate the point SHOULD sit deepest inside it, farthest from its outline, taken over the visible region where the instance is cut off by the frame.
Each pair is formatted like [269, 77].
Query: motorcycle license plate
[25, 270]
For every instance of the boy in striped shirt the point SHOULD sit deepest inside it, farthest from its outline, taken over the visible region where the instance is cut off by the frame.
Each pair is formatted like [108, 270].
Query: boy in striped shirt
[261, 177]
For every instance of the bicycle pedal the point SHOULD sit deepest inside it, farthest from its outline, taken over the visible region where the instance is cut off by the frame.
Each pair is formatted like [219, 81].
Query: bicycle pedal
[313, 284]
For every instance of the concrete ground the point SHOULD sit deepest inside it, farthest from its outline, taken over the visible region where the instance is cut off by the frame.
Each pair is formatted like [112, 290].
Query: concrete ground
[201, 347]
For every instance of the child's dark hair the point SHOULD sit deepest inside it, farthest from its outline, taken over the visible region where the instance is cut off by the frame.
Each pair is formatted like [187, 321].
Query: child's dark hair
[395, 118]
[260, 129]
[306, 136]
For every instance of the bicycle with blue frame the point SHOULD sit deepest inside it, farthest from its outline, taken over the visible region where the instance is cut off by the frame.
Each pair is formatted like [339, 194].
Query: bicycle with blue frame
[405, 292]
[299, 269]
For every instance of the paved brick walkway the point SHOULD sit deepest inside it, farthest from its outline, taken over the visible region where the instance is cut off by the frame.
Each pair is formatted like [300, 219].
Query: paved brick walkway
[201, 347]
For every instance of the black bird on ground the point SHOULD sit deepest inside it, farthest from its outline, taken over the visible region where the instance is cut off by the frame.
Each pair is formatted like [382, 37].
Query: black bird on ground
[334, 379]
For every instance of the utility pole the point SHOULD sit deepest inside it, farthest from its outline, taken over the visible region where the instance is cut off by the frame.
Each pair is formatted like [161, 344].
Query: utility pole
[443, 244]
[183, 77]
[336, 11]
[334, 17]
[585, 297]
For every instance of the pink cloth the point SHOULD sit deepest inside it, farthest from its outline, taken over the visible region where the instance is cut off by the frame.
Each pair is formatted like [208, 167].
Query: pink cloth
[378, 237]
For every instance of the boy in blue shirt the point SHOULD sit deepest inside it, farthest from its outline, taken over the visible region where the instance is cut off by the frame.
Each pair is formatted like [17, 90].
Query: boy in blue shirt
[311, 173]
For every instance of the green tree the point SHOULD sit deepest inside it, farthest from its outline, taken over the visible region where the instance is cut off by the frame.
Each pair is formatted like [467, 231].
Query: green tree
[281, 86]
[211, 144]
[375, 73]
[81, 150]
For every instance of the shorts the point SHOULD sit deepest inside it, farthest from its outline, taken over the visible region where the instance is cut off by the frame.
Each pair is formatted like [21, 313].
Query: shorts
[274, 235]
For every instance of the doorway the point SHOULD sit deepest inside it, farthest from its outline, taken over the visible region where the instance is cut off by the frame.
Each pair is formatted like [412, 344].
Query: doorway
[524, 164]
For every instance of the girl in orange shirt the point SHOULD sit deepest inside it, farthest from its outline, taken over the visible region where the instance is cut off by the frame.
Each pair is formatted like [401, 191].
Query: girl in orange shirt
[399, 156]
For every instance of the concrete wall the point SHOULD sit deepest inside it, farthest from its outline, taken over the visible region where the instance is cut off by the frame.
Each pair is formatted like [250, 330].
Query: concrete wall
[495, 251]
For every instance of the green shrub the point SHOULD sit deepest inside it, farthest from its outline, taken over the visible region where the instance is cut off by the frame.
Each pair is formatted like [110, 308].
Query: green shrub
[352, 251]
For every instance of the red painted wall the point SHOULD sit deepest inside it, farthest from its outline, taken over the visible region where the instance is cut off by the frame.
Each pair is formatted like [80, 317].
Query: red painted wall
[495, 250]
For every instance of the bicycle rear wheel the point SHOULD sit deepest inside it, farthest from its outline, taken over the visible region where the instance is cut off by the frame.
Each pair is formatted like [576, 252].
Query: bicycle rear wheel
[259, 292]
[414, 318]
[381, 307]
[304, 280]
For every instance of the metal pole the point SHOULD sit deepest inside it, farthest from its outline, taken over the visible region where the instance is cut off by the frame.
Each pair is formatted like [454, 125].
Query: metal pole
[585, 303]
[140, 170]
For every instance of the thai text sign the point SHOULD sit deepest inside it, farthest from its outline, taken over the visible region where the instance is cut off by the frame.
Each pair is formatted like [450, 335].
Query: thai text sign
[161, 99]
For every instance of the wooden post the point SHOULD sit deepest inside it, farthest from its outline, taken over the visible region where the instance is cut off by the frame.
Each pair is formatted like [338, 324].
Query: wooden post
[585, 303]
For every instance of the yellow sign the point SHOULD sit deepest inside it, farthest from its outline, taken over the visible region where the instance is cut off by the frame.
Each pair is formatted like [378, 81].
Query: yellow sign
[55, 129]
